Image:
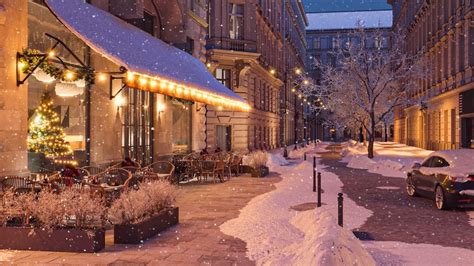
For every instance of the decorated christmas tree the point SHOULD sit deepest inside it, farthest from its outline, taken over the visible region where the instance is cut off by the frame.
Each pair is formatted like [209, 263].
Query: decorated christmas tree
[45, 132]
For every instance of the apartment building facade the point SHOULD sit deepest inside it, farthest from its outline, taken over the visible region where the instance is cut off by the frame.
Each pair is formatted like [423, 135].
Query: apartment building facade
[441, 115]
[252, 47]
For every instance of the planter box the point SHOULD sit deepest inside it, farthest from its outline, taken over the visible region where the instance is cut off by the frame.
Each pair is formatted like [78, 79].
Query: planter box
[137, 233]
[260, 172]
[64, 240]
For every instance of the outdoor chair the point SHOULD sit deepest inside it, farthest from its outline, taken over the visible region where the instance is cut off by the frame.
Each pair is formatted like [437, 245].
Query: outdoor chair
[93, 170]
[113, 181]
[236, 164]
[18, 184]
[191, 170]
[212, 168]
[163, 169]
[58, 182]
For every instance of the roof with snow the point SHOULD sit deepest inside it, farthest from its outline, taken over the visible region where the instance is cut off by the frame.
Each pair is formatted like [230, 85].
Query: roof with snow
[150, 59]
[349, 20]
[325, 6]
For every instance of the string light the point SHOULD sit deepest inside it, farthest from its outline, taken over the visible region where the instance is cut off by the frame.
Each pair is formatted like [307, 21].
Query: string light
[187, 93]
[306, 82]
[298, 71]
[69, 75]
[272, 71]
[21, 65]
[51, 53]
[143, 81]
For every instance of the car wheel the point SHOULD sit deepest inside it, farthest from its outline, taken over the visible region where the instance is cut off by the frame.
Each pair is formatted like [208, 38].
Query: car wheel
[411, 189]
[440, 198]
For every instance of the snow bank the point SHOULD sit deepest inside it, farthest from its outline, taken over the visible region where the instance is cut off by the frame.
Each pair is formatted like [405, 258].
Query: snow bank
[391, 159]
[383, 167]
[299, 153]
[324, 243]
[398, 253]
[272, 212]
[275, 160]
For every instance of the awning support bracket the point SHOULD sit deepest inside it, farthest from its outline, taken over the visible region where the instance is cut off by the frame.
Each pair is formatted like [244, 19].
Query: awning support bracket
[111, 93]
[44, 57]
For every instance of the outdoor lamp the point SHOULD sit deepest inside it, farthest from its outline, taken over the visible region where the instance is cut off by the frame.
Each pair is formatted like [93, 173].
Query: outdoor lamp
[160, 108]
[120, 101]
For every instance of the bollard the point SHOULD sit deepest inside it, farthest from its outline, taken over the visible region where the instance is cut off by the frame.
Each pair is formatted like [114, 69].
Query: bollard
[314, 174]
[305, 156]
[340, 214]
[319, 189]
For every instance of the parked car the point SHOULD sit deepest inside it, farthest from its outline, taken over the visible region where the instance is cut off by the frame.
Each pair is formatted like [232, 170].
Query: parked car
[445, 176]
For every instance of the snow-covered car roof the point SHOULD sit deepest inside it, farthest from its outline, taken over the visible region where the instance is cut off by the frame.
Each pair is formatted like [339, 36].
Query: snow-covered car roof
[461, 162]
[138, 51]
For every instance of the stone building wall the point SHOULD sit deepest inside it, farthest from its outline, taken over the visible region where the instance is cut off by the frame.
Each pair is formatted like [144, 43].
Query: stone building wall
[444, 32]
[13, 99]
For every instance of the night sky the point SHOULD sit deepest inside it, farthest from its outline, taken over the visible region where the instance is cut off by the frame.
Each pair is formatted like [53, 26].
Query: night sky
[315, 6]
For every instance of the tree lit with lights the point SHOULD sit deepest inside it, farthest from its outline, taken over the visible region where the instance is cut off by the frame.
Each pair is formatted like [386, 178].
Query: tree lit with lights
[45, 132]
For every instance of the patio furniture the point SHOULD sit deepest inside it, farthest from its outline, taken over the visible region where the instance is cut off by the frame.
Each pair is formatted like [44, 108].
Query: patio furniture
[18, 184]
[93, 170]
[163, 169]
[213, 168]
[191, 169]
[235, 164]
[113, 181]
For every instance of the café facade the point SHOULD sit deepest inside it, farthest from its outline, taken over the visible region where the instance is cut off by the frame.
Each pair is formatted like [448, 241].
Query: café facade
[118, 86]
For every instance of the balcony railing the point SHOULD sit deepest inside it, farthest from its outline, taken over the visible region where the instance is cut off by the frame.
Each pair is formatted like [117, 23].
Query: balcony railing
[231, 44]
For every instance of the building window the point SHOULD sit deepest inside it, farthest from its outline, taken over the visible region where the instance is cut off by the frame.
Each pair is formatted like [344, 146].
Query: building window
[335, 42]
[223, 76]
[224, 137]
[182, 126]
[378, 42]
[236, 22]
[68, 101]
[317, 43]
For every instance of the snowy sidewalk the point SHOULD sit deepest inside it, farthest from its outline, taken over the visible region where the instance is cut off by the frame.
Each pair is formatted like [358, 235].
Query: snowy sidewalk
[277, 234]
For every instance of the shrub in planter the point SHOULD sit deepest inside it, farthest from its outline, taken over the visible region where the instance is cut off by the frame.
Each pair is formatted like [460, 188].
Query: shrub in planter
[257, 161]
[140, 214]
[72, 221]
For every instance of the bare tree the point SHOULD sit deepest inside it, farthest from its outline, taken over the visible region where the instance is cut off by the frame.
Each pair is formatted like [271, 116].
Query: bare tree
[367, 84]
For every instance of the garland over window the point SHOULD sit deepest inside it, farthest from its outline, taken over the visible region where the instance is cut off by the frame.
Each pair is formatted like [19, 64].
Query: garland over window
[31, 57]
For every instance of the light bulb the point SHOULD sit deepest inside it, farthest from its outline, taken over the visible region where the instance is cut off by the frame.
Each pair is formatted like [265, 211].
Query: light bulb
[102, 77]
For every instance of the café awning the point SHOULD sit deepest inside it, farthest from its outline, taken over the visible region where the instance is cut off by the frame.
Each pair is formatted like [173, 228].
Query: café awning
[151, 64]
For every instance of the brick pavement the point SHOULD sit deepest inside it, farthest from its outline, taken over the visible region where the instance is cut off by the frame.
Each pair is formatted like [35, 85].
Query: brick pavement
[196, 240]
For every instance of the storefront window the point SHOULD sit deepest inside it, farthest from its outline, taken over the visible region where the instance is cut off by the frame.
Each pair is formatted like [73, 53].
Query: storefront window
[137, 126]
[181, 138]
[67, 98]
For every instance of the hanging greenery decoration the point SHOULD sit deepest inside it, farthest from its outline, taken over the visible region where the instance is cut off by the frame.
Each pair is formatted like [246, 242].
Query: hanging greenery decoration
[181, 101]
[31, 57]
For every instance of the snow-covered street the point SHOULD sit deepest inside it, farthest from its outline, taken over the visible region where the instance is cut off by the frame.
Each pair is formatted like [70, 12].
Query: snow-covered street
[282, 226]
